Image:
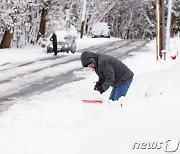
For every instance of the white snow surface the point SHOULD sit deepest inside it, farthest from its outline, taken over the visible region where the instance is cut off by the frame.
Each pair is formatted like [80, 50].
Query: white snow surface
[58, 122]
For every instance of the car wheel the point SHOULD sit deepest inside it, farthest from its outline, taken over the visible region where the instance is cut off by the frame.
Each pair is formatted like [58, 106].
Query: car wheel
[73, 51]
[49, 51]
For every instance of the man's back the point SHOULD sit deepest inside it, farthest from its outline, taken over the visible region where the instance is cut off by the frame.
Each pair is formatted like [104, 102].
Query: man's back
[120, 71]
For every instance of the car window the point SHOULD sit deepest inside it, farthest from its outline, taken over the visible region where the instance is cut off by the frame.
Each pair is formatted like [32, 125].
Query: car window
[69, 38]
[66, 38]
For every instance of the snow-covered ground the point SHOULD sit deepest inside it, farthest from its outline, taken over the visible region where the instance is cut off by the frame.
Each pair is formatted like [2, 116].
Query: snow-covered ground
[58, 122]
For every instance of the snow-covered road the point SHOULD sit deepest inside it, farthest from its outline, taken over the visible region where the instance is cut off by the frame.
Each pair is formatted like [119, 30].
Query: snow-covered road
[34, 77]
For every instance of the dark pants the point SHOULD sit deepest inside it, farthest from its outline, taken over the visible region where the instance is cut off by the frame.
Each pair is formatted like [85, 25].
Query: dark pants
[55, 49]
[119, 91]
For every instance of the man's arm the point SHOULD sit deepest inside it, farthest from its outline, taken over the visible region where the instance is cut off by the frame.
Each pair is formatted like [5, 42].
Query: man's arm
[109, 75]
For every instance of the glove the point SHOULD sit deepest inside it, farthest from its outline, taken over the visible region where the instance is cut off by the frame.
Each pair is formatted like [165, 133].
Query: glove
[99, 88]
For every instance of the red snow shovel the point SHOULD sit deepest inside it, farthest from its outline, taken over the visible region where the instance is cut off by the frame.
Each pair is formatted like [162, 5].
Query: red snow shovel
[92, 101]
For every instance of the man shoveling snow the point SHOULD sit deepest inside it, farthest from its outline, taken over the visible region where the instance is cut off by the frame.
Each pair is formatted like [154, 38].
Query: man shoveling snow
[111, 72]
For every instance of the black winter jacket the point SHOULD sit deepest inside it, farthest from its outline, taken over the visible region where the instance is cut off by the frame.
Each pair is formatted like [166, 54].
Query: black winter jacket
[111, 71]
[54, 39]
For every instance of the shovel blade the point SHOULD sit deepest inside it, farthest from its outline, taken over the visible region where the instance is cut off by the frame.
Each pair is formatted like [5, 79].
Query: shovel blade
[92, 101]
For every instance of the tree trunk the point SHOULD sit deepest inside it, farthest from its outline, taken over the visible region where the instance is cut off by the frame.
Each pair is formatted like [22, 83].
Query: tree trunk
[42, 28]
[6, 41]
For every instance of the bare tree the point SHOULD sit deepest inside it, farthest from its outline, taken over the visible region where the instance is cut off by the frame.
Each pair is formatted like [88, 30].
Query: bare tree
[25, 22]
[44, 12]
[6, 40]
[9, 11]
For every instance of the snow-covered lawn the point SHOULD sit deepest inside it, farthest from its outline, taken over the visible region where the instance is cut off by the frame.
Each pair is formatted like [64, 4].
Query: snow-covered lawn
[58, 122]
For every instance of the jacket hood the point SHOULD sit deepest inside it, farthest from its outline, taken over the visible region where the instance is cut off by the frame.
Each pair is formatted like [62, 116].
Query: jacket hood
[87, 58]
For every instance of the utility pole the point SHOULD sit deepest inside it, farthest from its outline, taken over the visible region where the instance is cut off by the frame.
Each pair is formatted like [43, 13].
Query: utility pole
[163, 31]
[83, 18]
[163, 26]
[168, 24]
[158, 29]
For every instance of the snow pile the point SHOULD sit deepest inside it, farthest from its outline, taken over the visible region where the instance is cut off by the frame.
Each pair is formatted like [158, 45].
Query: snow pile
[21, 55]
[58, 122]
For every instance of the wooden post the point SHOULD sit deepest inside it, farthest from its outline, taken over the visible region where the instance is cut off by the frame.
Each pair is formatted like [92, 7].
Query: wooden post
[158, 29]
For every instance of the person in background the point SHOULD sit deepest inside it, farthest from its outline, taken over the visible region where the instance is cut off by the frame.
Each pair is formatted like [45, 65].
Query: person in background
[54, 40]
[111, 72]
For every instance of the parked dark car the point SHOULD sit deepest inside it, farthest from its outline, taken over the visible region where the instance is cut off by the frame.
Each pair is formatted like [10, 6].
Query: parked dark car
[65, 44]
